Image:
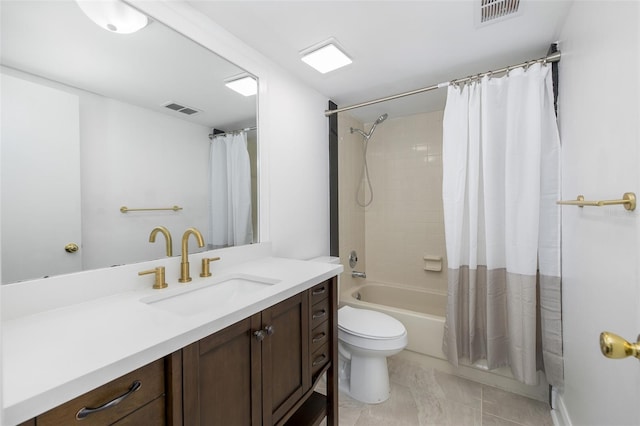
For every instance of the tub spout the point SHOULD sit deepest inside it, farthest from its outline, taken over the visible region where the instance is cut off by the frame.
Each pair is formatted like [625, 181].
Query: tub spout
[356, 274]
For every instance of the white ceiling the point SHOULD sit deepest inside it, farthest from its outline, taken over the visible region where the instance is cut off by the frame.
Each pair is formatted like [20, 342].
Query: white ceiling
[396, 46]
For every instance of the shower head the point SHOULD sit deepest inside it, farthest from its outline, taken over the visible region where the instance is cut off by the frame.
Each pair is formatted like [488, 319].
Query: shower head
[381, 118]
[375, 123]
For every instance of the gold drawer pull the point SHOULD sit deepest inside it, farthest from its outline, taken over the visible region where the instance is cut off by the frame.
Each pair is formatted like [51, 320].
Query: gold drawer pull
[319, 360]
[319, 337]
[319, 314]
[85, 411]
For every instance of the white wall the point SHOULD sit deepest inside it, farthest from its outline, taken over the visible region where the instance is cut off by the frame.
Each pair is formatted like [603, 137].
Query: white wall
[134, 157]
[293, 138]
[139, 158]
[599, 125]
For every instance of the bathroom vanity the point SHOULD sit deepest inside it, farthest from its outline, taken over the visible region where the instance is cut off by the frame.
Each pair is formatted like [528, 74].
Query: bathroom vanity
[254, 361]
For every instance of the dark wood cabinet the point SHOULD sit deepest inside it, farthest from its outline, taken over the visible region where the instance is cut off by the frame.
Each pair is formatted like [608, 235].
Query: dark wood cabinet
[259, 371]
[141, 394]
[262, 370]
[221, 377]
[285, 349]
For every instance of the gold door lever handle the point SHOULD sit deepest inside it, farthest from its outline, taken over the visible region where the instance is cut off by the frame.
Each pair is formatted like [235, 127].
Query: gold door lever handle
[614, 346]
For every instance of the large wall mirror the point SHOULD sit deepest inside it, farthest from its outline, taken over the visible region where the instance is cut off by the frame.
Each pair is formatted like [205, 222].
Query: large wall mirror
[93, 121]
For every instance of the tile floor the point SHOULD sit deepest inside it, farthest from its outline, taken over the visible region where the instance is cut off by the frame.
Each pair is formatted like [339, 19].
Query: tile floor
[424, 396]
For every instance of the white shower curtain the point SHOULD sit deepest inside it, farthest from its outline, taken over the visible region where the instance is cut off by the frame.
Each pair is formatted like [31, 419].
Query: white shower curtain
[501, 181]
[230, 178]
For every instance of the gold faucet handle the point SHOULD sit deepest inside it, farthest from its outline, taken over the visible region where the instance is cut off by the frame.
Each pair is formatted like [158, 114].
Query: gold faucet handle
[205, 266]
[159, 273]
[614, 346]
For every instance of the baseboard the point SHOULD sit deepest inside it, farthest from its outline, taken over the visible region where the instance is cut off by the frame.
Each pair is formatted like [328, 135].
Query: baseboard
[559, 414]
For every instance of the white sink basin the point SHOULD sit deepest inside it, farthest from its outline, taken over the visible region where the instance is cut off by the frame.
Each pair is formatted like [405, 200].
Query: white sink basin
[211, 295]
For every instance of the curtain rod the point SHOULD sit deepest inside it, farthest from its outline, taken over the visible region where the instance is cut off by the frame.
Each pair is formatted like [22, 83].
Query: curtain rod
[246, 129]
[553, 57]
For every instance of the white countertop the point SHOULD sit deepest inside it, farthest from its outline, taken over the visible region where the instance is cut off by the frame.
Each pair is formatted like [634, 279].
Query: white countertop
[57, 352]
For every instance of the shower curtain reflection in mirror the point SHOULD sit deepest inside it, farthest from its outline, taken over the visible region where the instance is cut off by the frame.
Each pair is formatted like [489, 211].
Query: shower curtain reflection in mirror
[230, 183]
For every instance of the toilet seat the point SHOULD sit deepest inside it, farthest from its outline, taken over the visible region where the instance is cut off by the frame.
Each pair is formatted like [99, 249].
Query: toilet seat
[369, 324]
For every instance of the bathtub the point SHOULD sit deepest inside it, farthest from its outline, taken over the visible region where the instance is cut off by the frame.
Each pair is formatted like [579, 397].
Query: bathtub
[421, 311]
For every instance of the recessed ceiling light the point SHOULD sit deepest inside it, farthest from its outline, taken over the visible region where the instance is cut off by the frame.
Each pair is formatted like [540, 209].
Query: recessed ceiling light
[325, 57]
[114, 15]
[245, 85]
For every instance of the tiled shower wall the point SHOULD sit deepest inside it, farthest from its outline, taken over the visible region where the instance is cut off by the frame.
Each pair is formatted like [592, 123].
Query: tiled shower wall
[350, 216]
[405, 221]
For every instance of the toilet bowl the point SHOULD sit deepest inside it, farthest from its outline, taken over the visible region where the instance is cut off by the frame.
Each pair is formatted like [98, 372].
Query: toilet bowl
[365, 339]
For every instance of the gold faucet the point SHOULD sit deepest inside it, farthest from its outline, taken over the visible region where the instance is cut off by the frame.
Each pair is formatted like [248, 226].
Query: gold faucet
[167, 237]
[184, 265]
[159, 275]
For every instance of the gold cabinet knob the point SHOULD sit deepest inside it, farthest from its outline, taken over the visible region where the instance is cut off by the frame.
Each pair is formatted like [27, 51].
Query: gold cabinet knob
[71, 248]
[614, 346]
[159, 274]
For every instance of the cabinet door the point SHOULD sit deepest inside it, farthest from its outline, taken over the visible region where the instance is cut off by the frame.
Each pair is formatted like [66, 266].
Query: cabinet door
[221, 377]
[285, 351]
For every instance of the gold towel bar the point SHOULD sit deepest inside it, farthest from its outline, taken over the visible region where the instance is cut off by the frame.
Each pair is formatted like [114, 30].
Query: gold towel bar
[628, 200]
[125, 209]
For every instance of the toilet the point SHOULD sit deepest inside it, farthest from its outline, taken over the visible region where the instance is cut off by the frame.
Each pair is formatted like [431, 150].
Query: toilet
[365, 339]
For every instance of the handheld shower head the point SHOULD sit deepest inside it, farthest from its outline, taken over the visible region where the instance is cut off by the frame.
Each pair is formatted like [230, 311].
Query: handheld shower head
[381, 118]
[375, 124]
[373, 127]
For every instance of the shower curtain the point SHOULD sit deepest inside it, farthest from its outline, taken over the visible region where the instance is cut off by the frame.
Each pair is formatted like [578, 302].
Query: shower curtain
[230, 178]
[501, 181]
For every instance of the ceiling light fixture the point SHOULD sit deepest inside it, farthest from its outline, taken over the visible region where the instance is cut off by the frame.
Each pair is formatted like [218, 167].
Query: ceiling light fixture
[325, 56]
[245, 85]
[114, 15]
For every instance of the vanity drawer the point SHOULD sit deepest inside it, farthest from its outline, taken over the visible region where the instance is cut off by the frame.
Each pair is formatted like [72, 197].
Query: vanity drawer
[151, 386]
[319, 359]
[151, 414]
[319, 336]
[320, 292]
[319, 313]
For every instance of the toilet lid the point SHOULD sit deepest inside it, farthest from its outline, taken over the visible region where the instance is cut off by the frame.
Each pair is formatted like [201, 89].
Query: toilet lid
[368, 323]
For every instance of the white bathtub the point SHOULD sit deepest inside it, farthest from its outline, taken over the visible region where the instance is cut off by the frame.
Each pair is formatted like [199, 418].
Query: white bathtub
[421, 311]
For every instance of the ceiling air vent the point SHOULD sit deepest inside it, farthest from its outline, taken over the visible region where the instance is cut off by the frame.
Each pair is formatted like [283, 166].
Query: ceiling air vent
[491, 10]
[181, 108]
